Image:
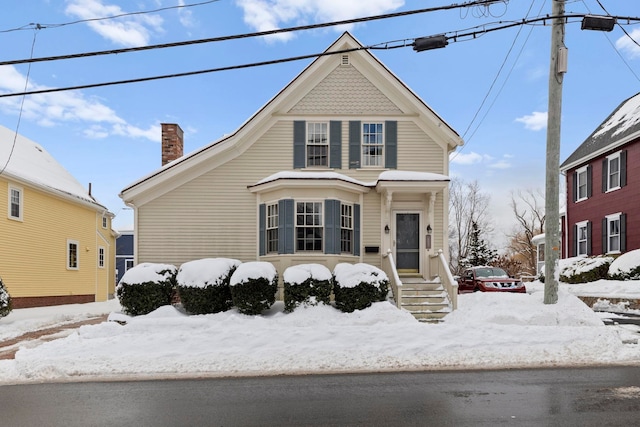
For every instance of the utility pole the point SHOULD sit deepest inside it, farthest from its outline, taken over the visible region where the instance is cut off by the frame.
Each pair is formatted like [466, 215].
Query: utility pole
[557, 68]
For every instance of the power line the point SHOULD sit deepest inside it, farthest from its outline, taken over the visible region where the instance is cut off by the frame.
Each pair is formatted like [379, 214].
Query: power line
[255, 34]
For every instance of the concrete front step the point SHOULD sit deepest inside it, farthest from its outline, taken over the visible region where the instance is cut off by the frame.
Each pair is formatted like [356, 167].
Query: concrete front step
[426, 300]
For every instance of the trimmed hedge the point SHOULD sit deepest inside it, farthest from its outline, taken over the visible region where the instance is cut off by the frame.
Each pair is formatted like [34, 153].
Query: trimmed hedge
[5, 301]
[306, 284]
[357, 286]
[146, 287]
[203, 285]
[584, 270]
[254, 286]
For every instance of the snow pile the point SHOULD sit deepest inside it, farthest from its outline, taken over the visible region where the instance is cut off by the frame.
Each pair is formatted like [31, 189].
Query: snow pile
[298, 274]
[148, 272]
[351, 275]
[205, 272]
[627, 264]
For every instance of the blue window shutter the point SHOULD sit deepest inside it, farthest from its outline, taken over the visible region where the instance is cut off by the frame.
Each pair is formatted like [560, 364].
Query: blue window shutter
[356, 229]
[605, 175]
[299, 145]
[623, 168]
[354, 144]
[262, 226]
[285, 226]
[335, 144]
[391, 144]
[332, 226]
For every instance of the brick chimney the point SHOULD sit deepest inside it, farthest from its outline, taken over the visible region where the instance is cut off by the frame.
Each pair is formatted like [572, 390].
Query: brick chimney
[172, 142]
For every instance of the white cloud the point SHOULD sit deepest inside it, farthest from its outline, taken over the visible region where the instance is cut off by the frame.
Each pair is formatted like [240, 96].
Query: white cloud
[534, 121]
[51, 109]
[134, 30]
[265, 15]
[500, 164]
[468, 159]
[627, 45]
[185, 16]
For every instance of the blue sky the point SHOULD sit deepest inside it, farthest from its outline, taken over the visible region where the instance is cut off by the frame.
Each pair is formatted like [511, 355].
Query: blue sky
[110, 136]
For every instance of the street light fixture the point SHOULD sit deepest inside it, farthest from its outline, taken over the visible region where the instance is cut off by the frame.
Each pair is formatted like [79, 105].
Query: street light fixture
[598, 23]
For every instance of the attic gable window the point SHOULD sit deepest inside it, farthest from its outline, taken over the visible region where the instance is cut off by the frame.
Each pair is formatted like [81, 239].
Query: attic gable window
[372, 144]
[317, 144]
[15, 203]
[345, 59]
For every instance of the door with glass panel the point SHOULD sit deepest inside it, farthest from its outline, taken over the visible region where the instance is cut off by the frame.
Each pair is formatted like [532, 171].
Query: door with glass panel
[407, 242]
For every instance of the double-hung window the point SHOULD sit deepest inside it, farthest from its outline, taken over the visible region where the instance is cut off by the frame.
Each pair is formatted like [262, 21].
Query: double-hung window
[72, 254]
[309, 226]
[272, 227]
[317, 144]
[101, 257]
[346, 228]
[581, 176]
[15, 203]
[372, 144]
[582, 238]
[613, 172]
[613, 233]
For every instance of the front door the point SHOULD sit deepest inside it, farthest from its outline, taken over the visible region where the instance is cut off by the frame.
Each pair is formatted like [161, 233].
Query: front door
[408, 242]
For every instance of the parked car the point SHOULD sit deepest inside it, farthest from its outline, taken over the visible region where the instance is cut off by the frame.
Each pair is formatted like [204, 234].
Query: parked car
[488, 279]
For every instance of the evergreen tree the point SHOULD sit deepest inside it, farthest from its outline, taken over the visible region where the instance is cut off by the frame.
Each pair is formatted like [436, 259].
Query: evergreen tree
[479, 251]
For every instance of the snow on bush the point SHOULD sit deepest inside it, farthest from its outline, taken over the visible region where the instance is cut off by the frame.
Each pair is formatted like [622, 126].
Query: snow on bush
[626, 266]
[254, 286]
[203, 285]
[584, 269]
[5, 300]
[306, 284]
[146, 287]
[357, 286]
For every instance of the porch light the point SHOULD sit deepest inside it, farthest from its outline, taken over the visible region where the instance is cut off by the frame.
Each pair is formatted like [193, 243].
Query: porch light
[429, 230]
[386, 229]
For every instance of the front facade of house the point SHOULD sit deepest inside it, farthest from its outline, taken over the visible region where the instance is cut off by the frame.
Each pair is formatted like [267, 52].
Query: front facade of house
[603, 187]
[345, 164]
[57, 243]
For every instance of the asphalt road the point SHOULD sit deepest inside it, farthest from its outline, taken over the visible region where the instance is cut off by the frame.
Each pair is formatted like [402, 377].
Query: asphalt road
[607, 396]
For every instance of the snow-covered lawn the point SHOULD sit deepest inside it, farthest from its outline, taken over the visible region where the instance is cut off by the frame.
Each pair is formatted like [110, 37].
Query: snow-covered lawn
[489, 330]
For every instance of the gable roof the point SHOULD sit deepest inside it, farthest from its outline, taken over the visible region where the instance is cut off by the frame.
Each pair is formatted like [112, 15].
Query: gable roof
[622, 126]
[31, 164]
[166, 178]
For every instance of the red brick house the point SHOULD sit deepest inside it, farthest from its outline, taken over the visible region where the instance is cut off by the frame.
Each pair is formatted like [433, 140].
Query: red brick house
[603, 187]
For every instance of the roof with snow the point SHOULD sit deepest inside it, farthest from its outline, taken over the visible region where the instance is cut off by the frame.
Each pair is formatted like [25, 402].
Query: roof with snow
[622, 126]
[29, 162]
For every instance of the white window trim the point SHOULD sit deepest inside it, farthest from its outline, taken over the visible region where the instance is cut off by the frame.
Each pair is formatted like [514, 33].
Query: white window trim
[296, 226]
[69, 243]
[128, 264]
[349, 208]
[102, 253]
[609, 159]
[272, 225]
[327, 144]
[21, 191]
[613, 217]
[586, 181]
[579, 225]
[362, 145]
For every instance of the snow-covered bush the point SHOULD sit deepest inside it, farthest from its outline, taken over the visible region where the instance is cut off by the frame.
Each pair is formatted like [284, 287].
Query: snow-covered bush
[254, 286]
[585, 269]
[203, 285]
[626, 266]
[5, 300]
[308, 284]
[357, 286]
[146, 287]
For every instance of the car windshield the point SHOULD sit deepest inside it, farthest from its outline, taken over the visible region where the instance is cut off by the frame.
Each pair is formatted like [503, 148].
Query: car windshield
[490, 272]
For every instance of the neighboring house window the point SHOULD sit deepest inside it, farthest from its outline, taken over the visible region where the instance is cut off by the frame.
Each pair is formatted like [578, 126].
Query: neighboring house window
[308, 226]
[613, 172]
[317, 144]
[101, 257]
[72, 255]
[272, 228]
[128, 263]
[346, 228]
[582, 183]
[372, 144]
[15, 203]
[613, 233]
[582, 238]
[105, 221]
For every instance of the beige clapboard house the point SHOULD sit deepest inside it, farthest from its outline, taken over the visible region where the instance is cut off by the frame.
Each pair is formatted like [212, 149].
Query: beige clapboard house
[345, 164]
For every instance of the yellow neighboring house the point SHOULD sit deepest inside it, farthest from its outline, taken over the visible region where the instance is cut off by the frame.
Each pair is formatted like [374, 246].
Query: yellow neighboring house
[56, 241]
